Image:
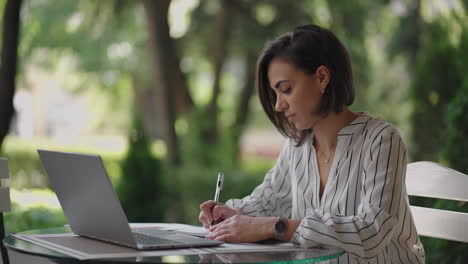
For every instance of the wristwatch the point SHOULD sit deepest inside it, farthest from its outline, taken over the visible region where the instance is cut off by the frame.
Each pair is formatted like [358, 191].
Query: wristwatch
[281, 226]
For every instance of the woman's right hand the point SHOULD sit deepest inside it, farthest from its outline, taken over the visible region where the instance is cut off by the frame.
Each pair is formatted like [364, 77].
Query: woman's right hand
[218, 213]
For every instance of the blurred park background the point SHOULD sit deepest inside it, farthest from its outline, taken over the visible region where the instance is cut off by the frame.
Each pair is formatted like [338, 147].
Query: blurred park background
[165, 92]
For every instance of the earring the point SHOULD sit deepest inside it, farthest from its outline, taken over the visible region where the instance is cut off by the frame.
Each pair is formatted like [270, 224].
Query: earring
[323, 91]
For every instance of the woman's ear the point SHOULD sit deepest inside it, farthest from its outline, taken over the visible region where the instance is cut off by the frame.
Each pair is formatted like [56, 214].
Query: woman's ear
[323, 75]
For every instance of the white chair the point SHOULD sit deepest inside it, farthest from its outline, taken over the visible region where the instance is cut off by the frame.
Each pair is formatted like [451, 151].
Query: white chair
[430, 179]
[4, 205]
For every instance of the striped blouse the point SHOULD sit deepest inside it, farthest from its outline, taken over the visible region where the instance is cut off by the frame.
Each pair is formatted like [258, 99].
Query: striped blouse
[364, 208]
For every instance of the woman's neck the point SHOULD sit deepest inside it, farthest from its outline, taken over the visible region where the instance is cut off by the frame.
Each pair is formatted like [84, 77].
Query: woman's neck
[326, 130]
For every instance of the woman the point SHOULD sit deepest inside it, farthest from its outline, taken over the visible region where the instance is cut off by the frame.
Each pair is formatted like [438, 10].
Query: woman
[340, 178]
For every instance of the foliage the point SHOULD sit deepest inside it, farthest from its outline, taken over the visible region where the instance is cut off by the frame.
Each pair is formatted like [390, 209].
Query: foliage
[456, 145]
[440, 100]
[453, 153]
[26, 170]
[434, 84]
[196, 152]
[142, 188]
[199, 184]
[99, 45]
[201, 164]
[253, 23]
[21, 219]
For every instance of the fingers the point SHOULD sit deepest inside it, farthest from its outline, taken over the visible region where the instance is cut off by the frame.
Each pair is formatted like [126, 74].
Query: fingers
[207, 205]
[217, 211]
[222, 232]
[221, 235]
[222, 212]
[204, 219]
[206, 216]
[212, 213]
[220, 225]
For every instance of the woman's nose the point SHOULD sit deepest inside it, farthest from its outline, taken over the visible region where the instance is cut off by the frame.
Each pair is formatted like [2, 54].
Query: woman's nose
[280, 105]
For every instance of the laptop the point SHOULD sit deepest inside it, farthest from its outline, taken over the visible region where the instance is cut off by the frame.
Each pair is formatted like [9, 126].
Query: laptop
[93, 209]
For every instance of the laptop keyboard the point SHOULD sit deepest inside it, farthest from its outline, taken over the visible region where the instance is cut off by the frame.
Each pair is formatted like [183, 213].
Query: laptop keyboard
[151, 240]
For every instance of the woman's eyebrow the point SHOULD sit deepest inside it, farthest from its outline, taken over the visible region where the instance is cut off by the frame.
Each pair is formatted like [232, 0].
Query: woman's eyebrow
[277, 85]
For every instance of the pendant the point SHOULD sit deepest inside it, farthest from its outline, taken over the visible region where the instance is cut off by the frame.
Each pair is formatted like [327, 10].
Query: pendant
[326, 161]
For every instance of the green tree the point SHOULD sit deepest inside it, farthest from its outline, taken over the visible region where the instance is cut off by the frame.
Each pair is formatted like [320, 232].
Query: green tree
[439, 93]
[453, 154]
[97, 40]
[435, 81]
[457, 128]
[227, 32]
[456, 119]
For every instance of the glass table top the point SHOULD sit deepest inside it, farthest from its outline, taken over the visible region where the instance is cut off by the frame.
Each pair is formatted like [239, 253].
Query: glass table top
[311, 255]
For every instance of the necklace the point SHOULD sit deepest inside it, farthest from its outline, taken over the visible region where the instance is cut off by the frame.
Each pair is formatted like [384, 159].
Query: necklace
[325, 158]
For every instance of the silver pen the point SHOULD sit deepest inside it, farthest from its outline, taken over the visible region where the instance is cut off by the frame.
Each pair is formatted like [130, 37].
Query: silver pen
[219, 187]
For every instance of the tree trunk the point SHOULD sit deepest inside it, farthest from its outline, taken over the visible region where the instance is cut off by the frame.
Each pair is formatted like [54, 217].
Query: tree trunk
[221, 40]
[144, 94]
[140, 96]
[416, 20]
[143, 104]
[9, 60]
[183, 99]
[242, 110]
[162, 59]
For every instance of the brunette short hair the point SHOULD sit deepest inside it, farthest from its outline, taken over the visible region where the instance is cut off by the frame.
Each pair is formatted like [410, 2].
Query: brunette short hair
[307, 47]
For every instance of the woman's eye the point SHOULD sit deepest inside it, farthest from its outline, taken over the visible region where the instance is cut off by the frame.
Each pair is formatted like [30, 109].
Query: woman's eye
[287, 90]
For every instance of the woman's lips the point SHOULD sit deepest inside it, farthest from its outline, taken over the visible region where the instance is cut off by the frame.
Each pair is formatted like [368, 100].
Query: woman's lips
[290, 117]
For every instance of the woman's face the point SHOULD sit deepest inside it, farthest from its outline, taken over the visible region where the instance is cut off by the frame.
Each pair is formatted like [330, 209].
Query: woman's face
[298, 95]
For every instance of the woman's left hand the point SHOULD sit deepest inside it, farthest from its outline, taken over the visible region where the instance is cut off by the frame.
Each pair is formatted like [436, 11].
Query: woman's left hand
[242, 228]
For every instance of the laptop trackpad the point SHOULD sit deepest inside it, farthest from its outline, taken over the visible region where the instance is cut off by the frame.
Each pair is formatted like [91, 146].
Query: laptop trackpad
[152, 231]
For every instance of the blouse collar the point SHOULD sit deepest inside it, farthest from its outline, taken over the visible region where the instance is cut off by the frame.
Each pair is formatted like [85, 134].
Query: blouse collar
[353, 125]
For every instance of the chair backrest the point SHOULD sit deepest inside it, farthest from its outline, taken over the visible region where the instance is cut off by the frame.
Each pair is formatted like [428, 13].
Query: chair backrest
[5, 205]
[430, 179]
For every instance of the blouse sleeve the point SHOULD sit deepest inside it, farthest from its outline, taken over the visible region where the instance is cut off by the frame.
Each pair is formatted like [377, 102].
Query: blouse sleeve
[273, 196]
[368, 232]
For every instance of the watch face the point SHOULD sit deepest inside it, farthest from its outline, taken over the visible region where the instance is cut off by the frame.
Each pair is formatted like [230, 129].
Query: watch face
[281, 225]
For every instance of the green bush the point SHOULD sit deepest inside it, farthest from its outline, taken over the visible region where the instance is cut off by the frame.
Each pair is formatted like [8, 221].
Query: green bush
[19, 219]
[199, 185]
[26, 170]
[436, 78]
[142, 188]
[440, 81]
[456, 147]
[197, 149]
[203, 159]
[452, 155]
[444, 251]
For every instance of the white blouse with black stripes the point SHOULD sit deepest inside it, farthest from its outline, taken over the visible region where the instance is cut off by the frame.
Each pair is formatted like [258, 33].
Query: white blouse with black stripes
[364, 208]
